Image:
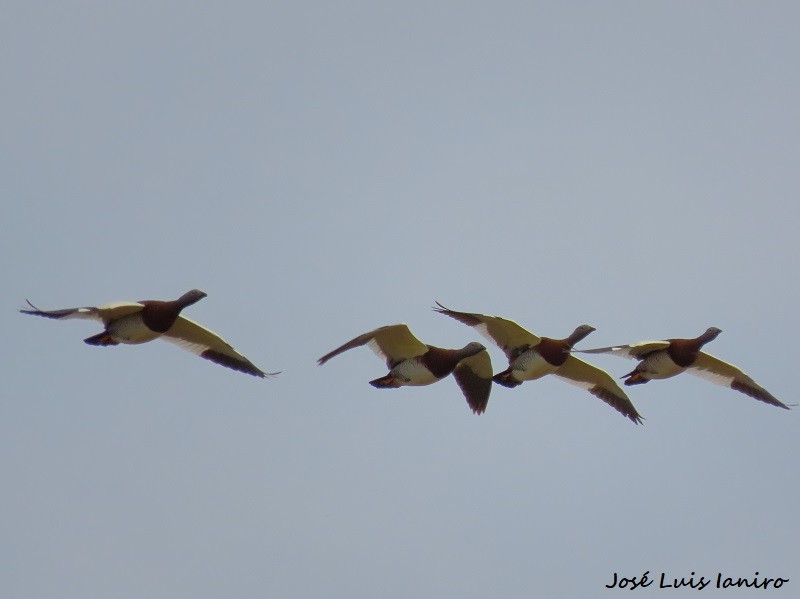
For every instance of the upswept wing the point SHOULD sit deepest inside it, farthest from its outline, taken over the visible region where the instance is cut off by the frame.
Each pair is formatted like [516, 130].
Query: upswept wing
[104, 313]
[635, 351]
[394, 343]
[728, 375]
[207, 344]
[474, 376]
[600, 384]
[506, 334]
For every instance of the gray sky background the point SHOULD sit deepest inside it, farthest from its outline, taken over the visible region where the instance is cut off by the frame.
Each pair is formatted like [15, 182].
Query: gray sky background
[320, 169]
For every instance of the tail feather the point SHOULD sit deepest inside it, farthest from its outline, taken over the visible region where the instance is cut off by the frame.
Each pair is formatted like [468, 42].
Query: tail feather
[634, 377]
[103, 339]
[504, 378]
[385, 382]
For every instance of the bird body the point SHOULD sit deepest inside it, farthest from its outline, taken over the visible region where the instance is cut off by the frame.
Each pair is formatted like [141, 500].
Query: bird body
[133, 323]
[528, 366]
[657, 365]
[414, 363]
[670, 357]
[412, 372]
[531, 357]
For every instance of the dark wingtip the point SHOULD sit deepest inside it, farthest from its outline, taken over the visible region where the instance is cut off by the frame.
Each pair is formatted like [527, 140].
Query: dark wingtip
[440, 308]
[227, 361]
[34, 311]
[479, 407]
[254, 371]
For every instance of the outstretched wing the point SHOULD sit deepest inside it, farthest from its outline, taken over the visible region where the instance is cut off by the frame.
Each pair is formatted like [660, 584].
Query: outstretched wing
[506, 334]
[207, 344]
[474, 376]
[394, 343]
[728, 375]
[600, 384]
[635, 351]
[104, 313]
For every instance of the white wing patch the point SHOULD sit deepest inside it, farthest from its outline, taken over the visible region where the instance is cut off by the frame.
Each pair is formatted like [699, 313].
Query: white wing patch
[483, 329]
[718, 371]
[728, 375]
[719, 379]
[582, 384]
[196, 338]
[373, 345]
[200, 341]
[195, 348]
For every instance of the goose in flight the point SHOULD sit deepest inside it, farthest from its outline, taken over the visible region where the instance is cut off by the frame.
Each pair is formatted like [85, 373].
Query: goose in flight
[665, 359]
[531, 357]
[412, 362]
[139, 322]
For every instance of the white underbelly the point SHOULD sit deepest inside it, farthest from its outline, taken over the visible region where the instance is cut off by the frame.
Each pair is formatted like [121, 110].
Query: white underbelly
[530, 365]
[131, 329]
[659, 365]
[411, 372]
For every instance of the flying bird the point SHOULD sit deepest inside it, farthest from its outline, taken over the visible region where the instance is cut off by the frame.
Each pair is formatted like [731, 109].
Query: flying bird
[139, 322]
[665, 359]
[531, 357]
[412, 362]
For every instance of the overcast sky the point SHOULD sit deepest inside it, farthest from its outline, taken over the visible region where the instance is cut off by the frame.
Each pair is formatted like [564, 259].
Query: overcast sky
[320, 169]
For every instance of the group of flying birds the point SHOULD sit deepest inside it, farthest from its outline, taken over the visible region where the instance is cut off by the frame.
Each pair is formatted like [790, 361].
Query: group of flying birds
[412, 362]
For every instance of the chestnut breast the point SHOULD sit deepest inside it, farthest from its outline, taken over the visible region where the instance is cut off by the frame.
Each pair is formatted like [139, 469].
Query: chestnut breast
[159, 316]
[554, 351]
[439, 361]
[683, 351]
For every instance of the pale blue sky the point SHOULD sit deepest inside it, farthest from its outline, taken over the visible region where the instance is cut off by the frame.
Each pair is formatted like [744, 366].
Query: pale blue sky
[320, 169]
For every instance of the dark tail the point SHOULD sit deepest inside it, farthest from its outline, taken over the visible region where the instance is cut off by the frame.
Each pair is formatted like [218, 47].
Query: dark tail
[504, 378]
[634, 378]
[103, 338]
[385, 382]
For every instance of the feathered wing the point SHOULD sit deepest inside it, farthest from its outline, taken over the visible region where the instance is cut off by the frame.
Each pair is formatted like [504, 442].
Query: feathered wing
[474, 376]
[600, 384]
[635, 351]
[394, 343]
[104, 313]
[207, 344]
[506, 334]
[728, 375]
